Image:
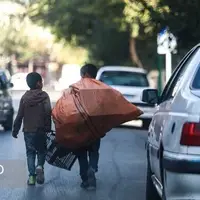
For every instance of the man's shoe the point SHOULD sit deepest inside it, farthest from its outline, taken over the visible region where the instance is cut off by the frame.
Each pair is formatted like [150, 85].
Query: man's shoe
[84, 185]
[91, 179]
[31, 180]
[40, 175]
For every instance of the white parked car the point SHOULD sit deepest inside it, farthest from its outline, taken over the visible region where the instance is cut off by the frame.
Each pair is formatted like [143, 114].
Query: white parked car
[19, 81]
[70, 74]
[173, 146]
[130, 82]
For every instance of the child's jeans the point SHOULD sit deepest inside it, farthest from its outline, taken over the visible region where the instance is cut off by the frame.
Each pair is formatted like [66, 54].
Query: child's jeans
[35, 145]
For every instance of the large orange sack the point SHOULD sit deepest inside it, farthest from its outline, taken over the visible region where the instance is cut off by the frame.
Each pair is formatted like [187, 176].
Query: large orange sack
[87, 111]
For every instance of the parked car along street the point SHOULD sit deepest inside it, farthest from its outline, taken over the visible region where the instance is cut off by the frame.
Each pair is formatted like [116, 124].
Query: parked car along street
[19, 81]
[70, 74]
[6, 104]
[173, 147]
[130, 82]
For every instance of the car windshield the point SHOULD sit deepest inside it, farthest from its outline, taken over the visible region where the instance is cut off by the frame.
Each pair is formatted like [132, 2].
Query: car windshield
[122, 78]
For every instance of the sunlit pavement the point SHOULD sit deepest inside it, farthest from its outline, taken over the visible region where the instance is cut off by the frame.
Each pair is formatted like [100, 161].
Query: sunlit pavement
[122, 171]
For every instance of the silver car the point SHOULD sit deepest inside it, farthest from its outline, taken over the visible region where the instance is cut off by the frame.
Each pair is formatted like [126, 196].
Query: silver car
[173, 146]
[6, 105]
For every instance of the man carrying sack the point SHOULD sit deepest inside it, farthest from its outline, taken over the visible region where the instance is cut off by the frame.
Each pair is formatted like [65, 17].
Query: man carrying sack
[84, 114]
[89, 167]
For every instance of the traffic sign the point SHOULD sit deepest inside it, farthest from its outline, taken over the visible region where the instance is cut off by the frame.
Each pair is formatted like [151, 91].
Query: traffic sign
[166, 41]
[167, 44]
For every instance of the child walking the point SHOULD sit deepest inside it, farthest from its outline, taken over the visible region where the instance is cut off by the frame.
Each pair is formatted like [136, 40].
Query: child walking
[35, 112]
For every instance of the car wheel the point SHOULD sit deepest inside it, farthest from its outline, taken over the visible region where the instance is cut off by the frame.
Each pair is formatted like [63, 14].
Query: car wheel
[9, 122]
[151, 192]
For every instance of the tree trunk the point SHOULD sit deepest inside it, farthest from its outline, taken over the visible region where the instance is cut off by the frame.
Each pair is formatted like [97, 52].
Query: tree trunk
[133, 53]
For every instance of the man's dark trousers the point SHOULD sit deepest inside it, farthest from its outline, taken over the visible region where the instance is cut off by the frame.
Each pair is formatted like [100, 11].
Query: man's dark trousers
[93, 152]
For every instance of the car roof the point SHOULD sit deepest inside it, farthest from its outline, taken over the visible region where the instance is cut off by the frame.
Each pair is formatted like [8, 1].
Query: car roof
[123, 68]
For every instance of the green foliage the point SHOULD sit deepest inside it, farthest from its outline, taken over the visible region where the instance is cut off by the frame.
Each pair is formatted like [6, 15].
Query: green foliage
[20, 36]
[12, 39]
[95, 25]
[104, 27]
[183, 20]
[144, 17]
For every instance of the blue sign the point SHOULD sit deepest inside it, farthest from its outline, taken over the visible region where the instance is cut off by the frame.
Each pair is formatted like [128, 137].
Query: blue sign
[163, 31]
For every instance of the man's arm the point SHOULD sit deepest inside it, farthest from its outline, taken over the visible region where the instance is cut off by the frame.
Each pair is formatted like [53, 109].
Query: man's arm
[47, 108]
[18, 120]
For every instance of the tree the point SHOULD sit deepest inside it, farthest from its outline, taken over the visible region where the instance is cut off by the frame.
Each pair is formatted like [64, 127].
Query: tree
[183, 20]
[95, 25]
[143, 17]
[106, 27]
[21, 37]
[181, 17]
[13, 39]
[111, 29]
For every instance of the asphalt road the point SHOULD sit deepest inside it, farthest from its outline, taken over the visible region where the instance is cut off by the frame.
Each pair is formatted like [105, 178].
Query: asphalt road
[122, 171]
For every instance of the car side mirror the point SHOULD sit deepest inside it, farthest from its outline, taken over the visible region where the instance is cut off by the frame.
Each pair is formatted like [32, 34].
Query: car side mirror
[150, 96]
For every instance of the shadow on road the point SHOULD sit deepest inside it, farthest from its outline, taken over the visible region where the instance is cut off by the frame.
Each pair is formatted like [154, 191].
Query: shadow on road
[132, 127]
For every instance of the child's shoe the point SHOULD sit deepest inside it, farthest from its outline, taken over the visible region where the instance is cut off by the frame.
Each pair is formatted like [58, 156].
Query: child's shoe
[31, 180]
[40, 175]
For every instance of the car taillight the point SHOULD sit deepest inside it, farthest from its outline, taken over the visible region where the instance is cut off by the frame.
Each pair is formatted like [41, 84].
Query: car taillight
[191, 134]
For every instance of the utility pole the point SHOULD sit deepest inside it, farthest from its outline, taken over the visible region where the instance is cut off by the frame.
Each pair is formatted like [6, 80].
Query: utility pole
[168, 61]
[160, 67]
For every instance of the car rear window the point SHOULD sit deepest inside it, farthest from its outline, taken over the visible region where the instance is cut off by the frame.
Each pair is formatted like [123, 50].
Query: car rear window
[196, 82]
[122, 78]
